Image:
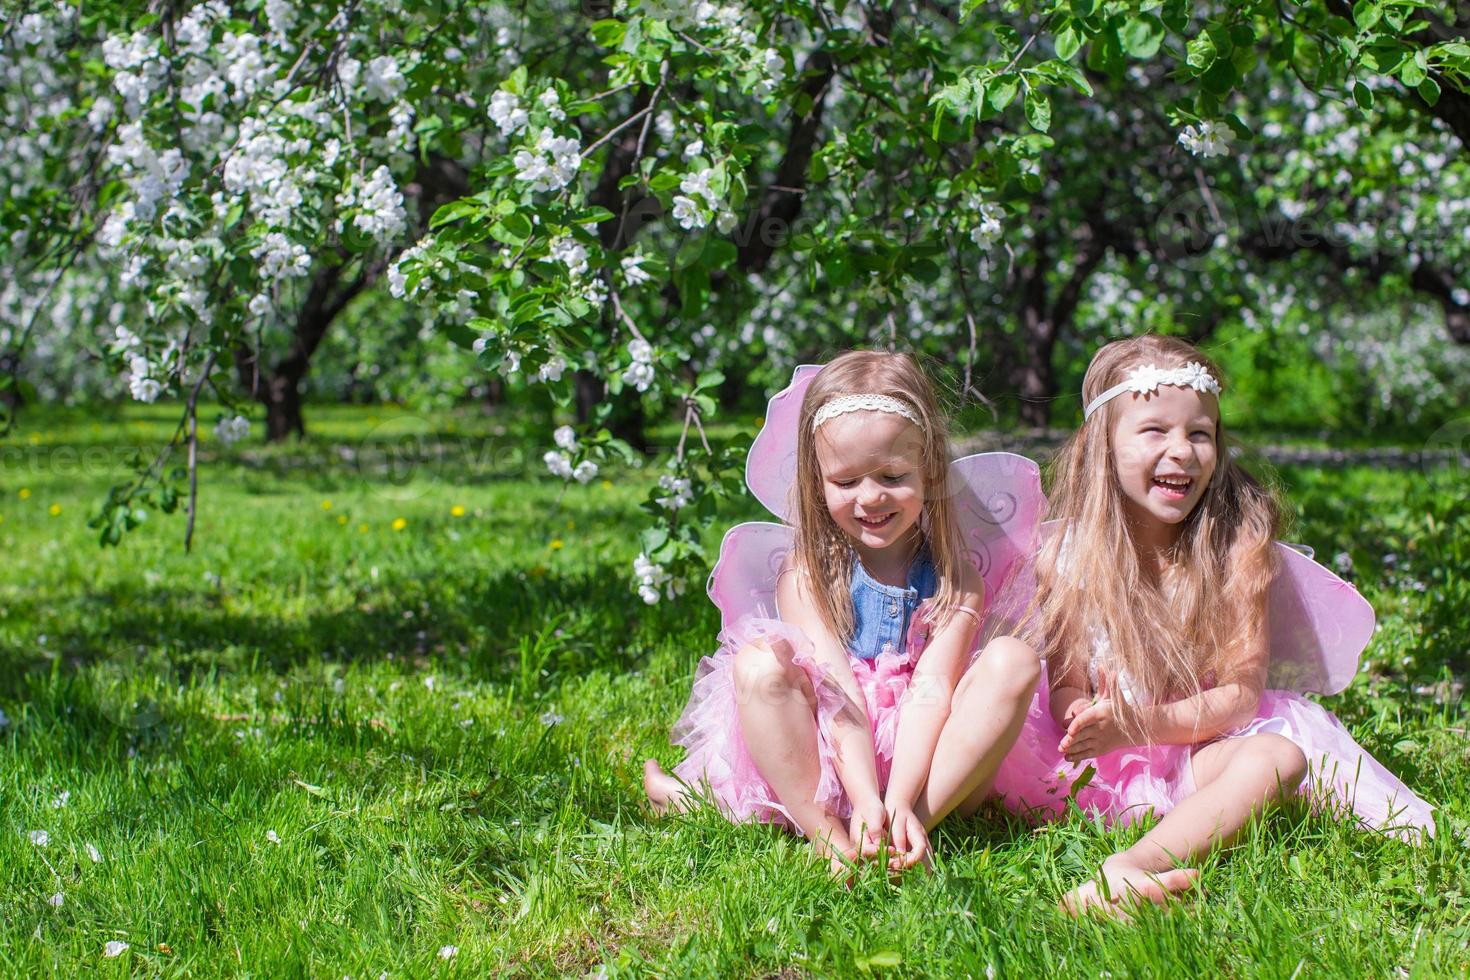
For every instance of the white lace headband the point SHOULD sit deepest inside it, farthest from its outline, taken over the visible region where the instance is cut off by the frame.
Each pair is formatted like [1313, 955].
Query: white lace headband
[1147, 377]
[843, 404]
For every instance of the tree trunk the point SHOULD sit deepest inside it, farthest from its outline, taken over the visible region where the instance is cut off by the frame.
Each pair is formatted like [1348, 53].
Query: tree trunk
[278, 387]
[282, 400]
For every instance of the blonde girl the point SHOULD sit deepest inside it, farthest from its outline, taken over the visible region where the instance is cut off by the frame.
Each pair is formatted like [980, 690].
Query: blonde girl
[861, 713]
[1151, 612]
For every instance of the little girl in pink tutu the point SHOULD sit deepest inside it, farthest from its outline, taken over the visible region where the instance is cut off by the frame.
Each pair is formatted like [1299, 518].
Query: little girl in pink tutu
[859, 714]
[1176, 633]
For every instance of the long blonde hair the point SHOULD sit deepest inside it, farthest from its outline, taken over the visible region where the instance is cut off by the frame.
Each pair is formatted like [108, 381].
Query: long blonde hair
[823, 553]
[1170, 634]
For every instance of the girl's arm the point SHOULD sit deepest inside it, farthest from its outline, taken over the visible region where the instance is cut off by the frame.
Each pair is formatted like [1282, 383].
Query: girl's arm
[1232, 702]
[856, 764]
[1070, 691]
[1229, 704]
[926, 704]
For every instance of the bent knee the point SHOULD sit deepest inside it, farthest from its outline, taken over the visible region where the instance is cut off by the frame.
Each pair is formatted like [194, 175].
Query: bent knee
[1006, 665]
[1281, 756]
[759, 666]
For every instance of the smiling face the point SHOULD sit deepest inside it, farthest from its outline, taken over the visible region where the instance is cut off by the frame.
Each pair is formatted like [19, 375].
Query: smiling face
[872, 481]
[1164, 452]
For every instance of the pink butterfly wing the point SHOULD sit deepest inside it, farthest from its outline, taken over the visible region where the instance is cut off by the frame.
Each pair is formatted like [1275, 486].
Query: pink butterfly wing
[997, 504]
[770, 466]
[743, 581]
[1320, 626]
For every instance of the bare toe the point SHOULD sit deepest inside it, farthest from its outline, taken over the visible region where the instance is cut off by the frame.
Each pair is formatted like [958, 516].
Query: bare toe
[659, 786]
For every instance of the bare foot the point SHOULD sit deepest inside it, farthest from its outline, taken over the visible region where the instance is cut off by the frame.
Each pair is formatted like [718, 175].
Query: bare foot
[664, 791]
[1124, 886]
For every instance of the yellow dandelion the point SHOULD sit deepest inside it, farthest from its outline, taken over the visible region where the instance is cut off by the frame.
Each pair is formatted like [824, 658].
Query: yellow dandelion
[399, 524]
[341, 518]
[607, 484]
[326, 505]
[54, 510]
[760, 421]
[556, 544]
[456, 511]
[25, 493]
[362, 528]
[35, 438]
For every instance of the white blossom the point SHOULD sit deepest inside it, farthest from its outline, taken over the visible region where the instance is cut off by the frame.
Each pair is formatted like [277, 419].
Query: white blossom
[232, 429]
[40, 838]
[506, 112]
[1208, 139]
[272, 836]
[552, 369]
[551, 164]
[570, 253]
[693, 149]
[94, 854]
[676, 492]
[550, 718]
[566, 437]
[380, 205]
[551, 102]
[56, 901]
[114, 947]
[383, 80]
[633, 272]
[558, 464]
[585, 472]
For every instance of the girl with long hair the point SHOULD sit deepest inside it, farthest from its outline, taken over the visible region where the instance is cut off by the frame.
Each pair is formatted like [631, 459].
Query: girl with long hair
[860, 715]
[1151, 601]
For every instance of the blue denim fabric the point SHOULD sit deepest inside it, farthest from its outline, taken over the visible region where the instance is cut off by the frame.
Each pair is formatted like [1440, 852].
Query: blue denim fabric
[882, 613]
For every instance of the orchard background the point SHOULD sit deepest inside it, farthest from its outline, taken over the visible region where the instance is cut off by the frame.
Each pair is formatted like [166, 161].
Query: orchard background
[376, 381]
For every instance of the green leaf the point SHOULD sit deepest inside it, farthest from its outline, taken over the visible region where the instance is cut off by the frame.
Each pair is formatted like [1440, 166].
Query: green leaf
[1038, 109]
[1001, 90]
[1410, 73]
[1366, 13]
[1200, 53]
[1142, 35]
[883, 959]
[453, 211]
[1072, 75]
[1429, 91]
[710, 379]
[1068, 43]
[1363, 96]
[513, 229]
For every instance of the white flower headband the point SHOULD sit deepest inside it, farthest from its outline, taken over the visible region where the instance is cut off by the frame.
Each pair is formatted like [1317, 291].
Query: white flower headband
[843, 404]
[1147, 377]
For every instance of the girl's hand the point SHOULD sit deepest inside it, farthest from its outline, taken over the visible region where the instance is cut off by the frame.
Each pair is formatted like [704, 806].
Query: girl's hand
[1074, 709]
[910, 841]
[867, 827]
[1092, 732]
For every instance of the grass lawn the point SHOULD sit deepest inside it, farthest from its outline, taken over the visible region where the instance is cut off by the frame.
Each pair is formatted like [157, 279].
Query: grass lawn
[396, 701]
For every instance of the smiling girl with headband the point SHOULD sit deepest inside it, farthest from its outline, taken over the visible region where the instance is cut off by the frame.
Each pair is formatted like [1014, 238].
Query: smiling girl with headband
[846, 700]
[1177, 634]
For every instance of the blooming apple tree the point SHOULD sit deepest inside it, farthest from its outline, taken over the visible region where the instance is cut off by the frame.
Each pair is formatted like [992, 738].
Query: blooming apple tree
[625, 203]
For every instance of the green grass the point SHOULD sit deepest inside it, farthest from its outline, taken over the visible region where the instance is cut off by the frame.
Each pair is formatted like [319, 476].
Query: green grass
[378, 699]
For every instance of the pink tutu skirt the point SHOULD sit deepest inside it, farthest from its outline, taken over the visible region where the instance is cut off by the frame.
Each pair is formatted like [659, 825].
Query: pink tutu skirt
[1128, 783]
[717, 764]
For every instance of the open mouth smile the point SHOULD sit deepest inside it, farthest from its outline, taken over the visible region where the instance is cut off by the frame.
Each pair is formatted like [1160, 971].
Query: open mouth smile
[875, 522]
[1172, 487]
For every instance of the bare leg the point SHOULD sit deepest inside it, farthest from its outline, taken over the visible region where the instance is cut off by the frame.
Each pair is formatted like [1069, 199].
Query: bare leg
[988, 709]
[1236, 780]
[777, 709]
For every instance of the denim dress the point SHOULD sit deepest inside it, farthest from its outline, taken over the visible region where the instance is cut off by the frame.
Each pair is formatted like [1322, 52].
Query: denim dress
[882, 613]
